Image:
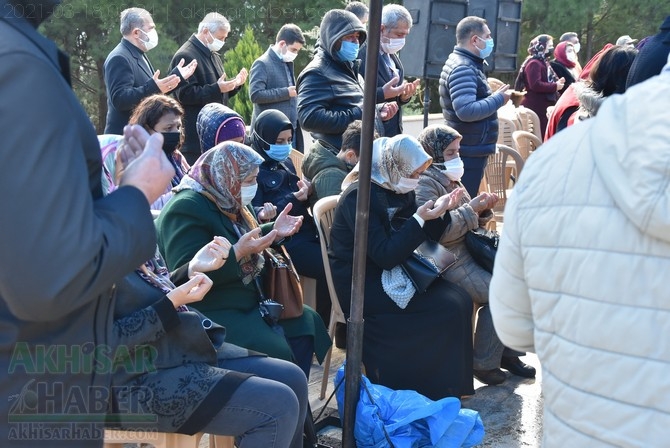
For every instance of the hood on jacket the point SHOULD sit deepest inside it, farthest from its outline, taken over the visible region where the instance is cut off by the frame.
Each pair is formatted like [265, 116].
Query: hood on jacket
[589, 99]
[337, 23]
[321, 156]
[629, 143]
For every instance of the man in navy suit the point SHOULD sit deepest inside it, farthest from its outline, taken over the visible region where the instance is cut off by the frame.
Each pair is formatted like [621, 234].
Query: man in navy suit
[272, 80]
[209, 83]
[129, 75]
[396, 24]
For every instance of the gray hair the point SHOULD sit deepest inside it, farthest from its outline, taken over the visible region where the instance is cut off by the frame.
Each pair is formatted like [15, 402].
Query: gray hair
[393, 14]
[359, 9]
[467, 27]
[214, 22]
[132, 18]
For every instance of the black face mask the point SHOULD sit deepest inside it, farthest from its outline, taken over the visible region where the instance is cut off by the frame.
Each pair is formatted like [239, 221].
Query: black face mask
[171, 141]
[36, 11]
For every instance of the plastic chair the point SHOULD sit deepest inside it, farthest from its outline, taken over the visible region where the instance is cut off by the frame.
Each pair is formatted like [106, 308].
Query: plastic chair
[525, 143]
[505, 129]
[296, 157]
[324, 212]
[498, 170]
[529, 120]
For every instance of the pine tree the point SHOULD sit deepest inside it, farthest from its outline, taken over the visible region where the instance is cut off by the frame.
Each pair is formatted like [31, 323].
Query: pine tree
[243, 55]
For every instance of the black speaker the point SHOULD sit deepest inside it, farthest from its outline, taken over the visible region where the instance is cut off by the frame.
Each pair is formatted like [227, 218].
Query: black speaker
[433, 35]
[504, 20]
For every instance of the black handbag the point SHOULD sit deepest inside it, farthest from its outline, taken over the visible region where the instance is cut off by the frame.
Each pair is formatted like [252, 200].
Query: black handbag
[427, 263]
[483, 246]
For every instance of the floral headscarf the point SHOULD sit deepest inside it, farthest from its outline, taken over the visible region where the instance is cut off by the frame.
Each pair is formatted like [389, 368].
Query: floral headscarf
[393, 158]
[538, 50]
[217, 123]
[435, 138]
[218, 175]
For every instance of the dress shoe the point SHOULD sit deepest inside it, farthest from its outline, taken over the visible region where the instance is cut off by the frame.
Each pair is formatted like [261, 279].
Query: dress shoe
[517, 367]
[491, 377]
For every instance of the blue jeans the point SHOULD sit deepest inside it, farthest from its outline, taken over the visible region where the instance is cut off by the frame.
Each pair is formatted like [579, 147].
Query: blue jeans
[267, 410]
[473, 174]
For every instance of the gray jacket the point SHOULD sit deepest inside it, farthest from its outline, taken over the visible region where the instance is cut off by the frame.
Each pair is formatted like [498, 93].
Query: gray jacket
[269, 80]
[62, 247]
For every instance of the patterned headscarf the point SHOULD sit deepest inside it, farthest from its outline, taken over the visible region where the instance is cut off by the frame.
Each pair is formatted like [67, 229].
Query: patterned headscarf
[435, 138]
[537, 50]
[393, 158]
[218, 175]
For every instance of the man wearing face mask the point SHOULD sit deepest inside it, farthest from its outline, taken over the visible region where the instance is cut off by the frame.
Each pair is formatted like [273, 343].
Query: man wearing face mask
[272, 79]
[129, 75]
[330, 90]
[209, 83]
[468, 104]
[396, 25]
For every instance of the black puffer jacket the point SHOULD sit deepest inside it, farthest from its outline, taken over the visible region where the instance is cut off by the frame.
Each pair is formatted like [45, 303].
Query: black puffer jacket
[330, 92]
[467, 103]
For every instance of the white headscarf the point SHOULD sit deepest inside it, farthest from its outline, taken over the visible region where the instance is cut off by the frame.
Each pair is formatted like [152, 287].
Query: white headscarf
[393, 158]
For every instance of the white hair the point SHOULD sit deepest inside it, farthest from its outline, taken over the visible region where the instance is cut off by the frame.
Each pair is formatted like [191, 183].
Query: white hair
[214, 22]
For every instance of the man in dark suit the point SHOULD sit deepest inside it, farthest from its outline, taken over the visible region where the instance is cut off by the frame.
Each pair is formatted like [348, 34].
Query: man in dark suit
[272, 80]
[396, 24]
[209, 83]
[62, 244]
[129, 75]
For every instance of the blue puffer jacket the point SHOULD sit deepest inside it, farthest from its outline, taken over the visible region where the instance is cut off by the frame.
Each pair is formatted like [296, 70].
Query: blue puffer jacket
[467, 103]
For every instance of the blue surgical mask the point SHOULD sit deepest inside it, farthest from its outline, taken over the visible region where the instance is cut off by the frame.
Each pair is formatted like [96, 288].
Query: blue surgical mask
[279, 152]
[488, 48]
[348, 51]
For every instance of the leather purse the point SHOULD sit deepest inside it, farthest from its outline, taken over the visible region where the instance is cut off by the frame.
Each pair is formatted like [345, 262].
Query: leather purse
[427, 263]
[282, 282]
[483, 246]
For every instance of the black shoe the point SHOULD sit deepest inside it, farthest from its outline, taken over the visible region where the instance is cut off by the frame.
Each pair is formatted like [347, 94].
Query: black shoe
[517, 367]
[341, 335]
[491, 377]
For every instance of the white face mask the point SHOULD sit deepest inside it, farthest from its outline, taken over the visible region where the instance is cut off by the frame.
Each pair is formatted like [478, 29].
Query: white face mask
[248, 193]
[393, 45]
[405, 185]
[289, 56]
[572, 57]
[454, 169]
[577, 47]
[152, 41]
[216, 44]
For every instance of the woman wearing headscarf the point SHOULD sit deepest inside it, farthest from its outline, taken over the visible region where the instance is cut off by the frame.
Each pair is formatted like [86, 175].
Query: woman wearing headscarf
[279, 185]
[411, 340]
[217, 123]
[565, 64]
[538, 78]
[442, 177]
[214, 199]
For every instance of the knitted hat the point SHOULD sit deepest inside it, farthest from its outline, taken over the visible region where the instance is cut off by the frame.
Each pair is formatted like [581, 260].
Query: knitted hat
[217, 123]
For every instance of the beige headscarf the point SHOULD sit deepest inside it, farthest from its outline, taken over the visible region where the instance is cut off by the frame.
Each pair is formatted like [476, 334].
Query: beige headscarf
[218, 175]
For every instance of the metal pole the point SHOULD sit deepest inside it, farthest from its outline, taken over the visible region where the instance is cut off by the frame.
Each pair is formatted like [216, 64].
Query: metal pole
[426, 101]
[355, 322]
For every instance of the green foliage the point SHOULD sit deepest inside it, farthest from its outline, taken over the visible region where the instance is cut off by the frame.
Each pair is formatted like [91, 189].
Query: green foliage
[243, 55]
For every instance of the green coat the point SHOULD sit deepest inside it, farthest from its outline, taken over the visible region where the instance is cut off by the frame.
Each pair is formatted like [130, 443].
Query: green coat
[190, 221]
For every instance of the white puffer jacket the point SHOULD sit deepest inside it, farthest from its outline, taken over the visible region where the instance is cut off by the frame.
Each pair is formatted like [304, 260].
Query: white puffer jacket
[582, 275]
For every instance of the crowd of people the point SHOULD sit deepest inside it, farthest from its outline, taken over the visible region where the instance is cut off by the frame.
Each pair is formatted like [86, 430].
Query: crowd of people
[151, 237]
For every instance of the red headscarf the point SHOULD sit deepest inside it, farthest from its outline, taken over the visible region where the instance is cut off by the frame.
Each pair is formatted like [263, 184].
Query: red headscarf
[561, 54]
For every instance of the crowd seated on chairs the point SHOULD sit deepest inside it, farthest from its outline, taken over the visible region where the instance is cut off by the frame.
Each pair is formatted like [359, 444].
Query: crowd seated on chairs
[178, 367]
[442, 177]
[413, 340]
